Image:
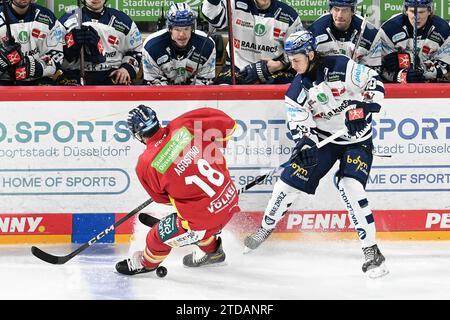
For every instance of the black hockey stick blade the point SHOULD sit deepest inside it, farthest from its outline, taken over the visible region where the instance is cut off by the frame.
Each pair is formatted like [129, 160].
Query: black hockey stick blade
[47, 257]
[148, 220]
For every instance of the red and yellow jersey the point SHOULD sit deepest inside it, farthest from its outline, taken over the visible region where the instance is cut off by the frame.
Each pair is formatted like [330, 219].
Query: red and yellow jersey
[184, 166]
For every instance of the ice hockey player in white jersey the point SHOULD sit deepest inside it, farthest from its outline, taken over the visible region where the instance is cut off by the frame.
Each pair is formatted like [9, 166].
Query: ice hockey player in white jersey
[179, 54]
[111, 41]
[338, 32]
[31, 44]
[260, 28]
[328, 94]
[395, 45]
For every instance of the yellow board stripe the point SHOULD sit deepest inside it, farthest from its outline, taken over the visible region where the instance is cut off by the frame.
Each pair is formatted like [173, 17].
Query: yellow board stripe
[122, 238]
[125, 238]
[401, 235]
[13, 239]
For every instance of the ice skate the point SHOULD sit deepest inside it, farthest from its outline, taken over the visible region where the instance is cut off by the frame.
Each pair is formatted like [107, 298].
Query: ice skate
[132, 266]
[374, 266]
[254, 240]
[200, 258]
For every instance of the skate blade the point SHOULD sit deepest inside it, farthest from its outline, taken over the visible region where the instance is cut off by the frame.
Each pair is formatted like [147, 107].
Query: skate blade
[378, 272]
[209, 265]
[247, 250]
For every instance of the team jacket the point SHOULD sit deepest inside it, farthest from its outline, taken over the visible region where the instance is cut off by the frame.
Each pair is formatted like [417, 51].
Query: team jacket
[183, 165]
[315, 101]
[256, 35]
[331, 41]
[396, 35]
[39, 34]
[162, 66]
[121, 39]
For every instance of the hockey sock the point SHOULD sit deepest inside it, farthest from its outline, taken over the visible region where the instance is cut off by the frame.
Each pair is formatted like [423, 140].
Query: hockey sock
[152, 259]
[282, 197]
[355, 201]
[208, 245]
[155, 251]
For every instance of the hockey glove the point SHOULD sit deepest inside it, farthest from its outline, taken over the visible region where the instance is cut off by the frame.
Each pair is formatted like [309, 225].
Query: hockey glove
[414, 75]
[355, 119]
[87, 37]
[29, 67]
[254, 72]
[390, 62]
[10, 55]
[396, 61]
[304, 153]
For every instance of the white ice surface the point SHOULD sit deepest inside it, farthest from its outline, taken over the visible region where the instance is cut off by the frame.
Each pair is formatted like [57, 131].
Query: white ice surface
[278, 270]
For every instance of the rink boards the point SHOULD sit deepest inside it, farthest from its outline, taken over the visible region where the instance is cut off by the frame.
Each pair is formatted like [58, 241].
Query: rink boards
[80, 228]
[68, 161]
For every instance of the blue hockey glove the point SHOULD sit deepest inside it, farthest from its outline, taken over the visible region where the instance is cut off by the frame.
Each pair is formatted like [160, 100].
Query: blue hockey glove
[29, 67]
[87, 37]
[414, 76]
[355, 118]
[254, 72]
[390, 62]
[304, 153]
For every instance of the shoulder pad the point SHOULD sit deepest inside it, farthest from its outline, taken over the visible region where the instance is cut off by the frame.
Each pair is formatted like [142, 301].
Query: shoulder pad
[122, 21]
[202, 42]
[320, 24]
[393, 28]
[441, 26]
[287, 14]
[335, 64]
[44, 15]
[156, 45]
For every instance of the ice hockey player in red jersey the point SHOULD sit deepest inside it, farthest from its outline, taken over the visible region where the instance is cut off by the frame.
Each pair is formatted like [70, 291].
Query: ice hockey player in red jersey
[183, 166]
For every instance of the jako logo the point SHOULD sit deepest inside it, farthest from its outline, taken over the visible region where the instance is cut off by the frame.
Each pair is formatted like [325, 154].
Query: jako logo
[361, 233]
[22, 224]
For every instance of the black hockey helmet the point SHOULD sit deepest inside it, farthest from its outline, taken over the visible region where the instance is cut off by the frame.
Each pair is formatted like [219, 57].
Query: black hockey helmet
[143, 122]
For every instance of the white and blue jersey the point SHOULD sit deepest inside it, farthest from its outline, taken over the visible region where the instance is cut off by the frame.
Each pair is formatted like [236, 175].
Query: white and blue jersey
[316, 101]
[257, 34]
[121, 39]
[39, 34]
[396, 35]
[163, 64]
[316, 106]
[331, 41]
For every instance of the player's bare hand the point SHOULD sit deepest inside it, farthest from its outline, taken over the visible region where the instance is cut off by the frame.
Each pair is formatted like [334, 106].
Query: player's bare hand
[120, 76]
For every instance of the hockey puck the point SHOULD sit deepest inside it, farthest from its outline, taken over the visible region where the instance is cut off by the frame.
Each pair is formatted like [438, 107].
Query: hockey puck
[161, 272]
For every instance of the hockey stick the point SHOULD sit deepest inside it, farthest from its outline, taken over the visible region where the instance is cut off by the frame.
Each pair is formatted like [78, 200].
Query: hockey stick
[11, 39]
[47, 257]
[82, 60]
[414, 60]
[358, 41]
[210, 32]
[150, 221]
[231, 42]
